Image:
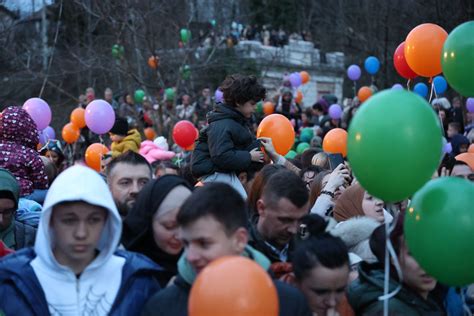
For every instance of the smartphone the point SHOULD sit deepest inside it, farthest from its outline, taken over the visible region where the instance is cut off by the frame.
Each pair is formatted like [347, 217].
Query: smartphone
[335, 160]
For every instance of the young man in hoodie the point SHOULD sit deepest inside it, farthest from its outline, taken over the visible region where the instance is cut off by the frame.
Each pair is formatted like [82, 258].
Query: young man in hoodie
[74, 268]
[213, 223]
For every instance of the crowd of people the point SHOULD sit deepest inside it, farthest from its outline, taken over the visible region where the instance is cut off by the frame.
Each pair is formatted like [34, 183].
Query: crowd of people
[133, 238]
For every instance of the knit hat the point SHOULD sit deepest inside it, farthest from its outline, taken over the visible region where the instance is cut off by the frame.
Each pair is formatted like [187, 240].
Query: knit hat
[9, 187]
[53, 145]
[120, 127]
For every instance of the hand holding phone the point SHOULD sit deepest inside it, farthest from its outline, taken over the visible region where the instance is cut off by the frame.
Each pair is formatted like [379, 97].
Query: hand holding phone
[335, 160]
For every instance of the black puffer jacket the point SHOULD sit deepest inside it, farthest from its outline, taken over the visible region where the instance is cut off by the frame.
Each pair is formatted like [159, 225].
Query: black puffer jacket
[223, 145]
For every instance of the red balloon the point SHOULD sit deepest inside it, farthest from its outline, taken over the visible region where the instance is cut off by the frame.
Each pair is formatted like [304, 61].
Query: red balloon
[184, 134]
[400, 63]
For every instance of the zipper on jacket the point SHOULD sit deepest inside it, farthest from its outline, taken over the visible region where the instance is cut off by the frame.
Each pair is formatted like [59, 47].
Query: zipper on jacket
[78, 296]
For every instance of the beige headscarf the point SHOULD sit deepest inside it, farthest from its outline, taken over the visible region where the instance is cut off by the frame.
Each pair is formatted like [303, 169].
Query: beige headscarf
[349, 204]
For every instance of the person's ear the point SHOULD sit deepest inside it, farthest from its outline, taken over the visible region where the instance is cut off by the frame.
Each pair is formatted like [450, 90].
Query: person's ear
[240, 240]
[261, 207]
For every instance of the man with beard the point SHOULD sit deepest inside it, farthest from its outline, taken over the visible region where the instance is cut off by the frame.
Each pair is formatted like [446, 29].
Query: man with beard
[127, 174]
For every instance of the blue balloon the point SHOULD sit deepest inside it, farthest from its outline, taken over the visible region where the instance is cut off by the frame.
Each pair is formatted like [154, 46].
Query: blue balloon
[397, 86]
[421, 89]
[372, 65]
[440, 84]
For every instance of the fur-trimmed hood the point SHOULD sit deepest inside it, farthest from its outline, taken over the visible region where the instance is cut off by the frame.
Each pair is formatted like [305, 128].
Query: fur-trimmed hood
[355, 233]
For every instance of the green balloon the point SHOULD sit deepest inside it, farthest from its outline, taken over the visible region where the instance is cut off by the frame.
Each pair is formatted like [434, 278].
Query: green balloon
[259, 109]
[186, 72]
[458, 59]
[115, 51]
[291, 154]
[439, 230]
[394, 144]
[185, 35]
[302, 147]
[307, 134]
[169, 94]
[139, 96]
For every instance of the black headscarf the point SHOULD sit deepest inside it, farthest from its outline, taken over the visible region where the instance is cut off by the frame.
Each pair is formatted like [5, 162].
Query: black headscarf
[137, 226]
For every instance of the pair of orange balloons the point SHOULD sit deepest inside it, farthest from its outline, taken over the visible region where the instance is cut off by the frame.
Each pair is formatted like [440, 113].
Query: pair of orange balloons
[71, 131]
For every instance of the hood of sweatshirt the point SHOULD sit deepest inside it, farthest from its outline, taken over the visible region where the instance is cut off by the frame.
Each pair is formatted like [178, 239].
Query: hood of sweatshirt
[97, 286]
[79, 183]
[17, 126]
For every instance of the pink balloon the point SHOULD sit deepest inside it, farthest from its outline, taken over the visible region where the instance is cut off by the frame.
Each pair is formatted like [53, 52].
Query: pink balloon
[39, 111]
[100, 116]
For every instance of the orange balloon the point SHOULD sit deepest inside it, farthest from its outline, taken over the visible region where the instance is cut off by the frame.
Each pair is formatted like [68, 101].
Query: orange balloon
[233, 286]
[78, 117]
[335, 142]
[364, 93]
[423, 49]
[471, 149]
[153, 62]
[94, 155]
[70, 133]
[149, 133]
[467, 158]
[299, 97]
[280, 130]
[305, 77]
[268, 108]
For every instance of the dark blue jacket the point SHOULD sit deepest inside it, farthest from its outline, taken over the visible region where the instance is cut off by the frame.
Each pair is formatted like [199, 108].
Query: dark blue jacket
[21, 292]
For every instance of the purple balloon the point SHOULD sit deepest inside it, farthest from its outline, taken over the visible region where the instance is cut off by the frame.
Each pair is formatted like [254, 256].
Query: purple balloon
[295, 79]
[100, 116]
[49, 133]
[353, 72]
[447, 148]
[397, 86]
[39, 111]
[219, 96]
[335, 111]
[42, 139]
[470, 105]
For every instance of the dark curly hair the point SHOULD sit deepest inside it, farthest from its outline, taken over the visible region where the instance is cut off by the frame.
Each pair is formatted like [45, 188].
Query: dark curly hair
[239, 89]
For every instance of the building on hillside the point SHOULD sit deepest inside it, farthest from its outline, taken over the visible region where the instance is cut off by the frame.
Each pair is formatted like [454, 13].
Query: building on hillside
[326, 69]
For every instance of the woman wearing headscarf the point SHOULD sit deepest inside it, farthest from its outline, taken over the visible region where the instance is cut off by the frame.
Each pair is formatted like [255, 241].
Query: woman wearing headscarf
[358, 214]
[151, 227]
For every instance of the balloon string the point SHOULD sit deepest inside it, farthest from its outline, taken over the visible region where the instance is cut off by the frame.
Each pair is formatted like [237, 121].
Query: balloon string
[431, 93]
[390, 252]
[408, 84]
[467, 310]
[355, 89]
